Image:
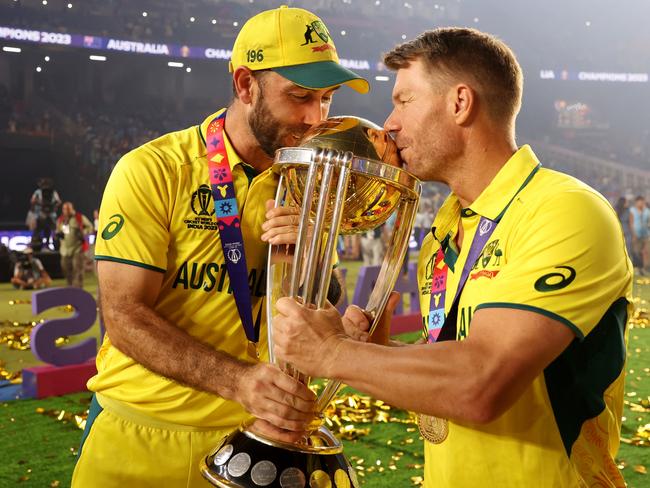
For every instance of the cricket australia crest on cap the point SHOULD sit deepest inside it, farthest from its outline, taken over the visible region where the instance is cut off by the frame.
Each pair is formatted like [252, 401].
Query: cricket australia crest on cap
[317, 27]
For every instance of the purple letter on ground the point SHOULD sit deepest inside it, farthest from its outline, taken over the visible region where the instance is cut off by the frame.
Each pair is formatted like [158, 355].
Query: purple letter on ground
[44, 335]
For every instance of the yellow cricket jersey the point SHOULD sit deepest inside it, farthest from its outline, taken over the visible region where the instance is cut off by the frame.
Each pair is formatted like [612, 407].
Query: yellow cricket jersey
[558, 251]
[157, 212]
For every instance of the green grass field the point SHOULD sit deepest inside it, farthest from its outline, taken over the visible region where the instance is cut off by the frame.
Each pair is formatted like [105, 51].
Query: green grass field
[40, 437]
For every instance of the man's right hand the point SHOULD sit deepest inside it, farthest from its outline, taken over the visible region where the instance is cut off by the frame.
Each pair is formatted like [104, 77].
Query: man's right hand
[127, 297]
[271, 395]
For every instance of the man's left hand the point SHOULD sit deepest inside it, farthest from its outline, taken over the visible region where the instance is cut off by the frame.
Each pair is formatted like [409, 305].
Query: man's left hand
[281, 225]
[357, 322]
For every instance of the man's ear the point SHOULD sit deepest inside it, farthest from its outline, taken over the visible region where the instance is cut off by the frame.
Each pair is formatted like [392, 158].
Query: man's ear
[243, 82]
[464, 104]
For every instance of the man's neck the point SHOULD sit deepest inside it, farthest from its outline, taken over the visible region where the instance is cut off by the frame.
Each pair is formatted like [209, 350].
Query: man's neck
[478, 167]
[242, 139]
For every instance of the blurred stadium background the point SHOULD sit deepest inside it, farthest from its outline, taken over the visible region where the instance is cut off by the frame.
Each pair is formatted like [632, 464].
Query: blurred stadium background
[82, 82]
[70, 117]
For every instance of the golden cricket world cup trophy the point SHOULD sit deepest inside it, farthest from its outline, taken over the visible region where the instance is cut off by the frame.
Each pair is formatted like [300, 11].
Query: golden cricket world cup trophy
[345, 178]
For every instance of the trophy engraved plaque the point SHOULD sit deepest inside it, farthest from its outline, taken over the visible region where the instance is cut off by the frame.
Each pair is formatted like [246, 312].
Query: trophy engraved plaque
[345, 178]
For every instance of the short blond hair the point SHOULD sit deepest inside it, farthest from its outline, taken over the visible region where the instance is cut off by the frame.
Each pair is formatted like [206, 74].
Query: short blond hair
[454, 51]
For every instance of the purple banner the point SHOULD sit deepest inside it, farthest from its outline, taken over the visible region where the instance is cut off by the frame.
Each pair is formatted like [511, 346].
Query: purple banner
[18, 240]
[138, 47]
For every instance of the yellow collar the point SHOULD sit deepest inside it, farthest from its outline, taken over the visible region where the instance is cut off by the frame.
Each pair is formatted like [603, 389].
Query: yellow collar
[494, 199]
[509, 181]
[233, 158]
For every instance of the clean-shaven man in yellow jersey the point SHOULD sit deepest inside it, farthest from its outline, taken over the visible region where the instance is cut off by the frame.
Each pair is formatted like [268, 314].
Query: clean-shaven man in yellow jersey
[177, 369]
[521, 381]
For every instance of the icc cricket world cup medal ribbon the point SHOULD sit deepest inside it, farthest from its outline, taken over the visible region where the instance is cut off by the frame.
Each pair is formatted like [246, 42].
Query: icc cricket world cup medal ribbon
[435, 429]
[229, 223]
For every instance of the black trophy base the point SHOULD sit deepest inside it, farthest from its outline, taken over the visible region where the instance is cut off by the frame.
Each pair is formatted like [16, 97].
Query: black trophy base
[247, 460]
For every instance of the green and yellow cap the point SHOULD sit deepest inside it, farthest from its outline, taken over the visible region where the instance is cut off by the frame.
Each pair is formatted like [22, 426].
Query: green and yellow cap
[296, 44]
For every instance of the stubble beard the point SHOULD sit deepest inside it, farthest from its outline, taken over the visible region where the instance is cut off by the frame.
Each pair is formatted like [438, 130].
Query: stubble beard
[267, 129]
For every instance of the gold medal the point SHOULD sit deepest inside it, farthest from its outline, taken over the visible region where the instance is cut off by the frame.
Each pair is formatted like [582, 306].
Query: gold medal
[433, 429]
[253, 353]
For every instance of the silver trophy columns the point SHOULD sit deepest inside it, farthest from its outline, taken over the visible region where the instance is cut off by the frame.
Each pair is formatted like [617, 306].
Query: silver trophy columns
[345, 178]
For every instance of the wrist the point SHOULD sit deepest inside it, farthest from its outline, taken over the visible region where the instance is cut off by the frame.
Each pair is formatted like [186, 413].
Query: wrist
[338, 351]
[229, 384]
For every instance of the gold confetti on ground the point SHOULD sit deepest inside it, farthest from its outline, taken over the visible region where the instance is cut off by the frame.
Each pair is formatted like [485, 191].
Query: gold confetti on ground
[66, 417]
[16, 335]
[641, 406]
[641, 317]
[641, 438]
[344, 413]
[15, 376]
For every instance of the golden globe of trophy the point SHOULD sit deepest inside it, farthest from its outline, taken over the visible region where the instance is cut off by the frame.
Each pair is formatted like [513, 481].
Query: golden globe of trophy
[346, 179]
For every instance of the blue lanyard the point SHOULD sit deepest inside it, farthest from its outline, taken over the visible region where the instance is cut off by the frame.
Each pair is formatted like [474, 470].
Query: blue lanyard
[437, 318]
[229, 223]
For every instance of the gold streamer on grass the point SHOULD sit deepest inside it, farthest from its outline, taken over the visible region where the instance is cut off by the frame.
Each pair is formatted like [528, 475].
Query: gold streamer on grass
[16, 336]
[15, 377]
[640, 438]
[77, 419]
[350, 416]
[347, 411]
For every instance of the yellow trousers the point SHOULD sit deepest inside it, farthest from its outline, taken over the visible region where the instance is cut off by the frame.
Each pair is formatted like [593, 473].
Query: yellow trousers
[123, 450]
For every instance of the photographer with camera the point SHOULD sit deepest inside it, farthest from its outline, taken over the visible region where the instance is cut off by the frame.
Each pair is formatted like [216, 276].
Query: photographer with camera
[45, 203]
[72, 229]
[29, 272]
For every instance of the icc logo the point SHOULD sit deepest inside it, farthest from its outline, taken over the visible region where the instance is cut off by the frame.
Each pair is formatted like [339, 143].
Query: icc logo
[234, 255]
[201, 201]
[485, 227]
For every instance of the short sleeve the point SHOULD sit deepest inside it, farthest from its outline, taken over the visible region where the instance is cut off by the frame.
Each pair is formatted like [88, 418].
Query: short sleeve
[134, 216]
[566, 260]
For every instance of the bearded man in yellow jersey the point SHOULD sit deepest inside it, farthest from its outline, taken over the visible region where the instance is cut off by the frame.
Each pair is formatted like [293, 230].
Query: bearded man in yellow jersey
[181, 268]
[525, 290]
